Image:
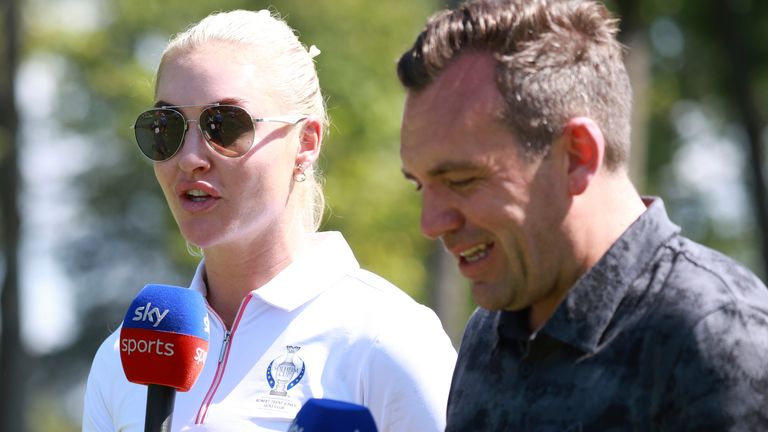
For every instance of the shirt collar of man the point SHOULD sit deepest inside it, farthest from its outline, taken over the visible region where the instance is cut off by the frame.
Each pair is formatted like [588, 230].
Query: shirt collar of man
[584, 316]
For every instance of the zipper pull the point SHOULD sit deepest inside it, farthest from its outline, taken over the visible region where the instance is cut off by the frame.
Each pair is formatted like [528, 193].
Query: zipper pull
[224, 346]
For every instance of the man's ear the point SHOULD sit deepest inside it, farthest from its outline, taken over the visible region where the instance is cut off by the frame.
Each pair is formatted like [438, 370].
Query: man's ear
[585, 146]
[310, 141]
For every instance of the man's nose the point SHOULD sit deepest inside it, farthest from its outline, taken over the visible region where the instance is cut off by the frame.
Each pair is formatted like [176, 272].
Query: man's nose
[438, 215]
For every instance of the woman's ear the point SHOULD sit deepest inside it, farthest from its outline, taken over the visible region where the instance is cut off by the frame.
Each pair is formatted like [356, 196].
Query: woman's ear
[310, 141]
[585, 146]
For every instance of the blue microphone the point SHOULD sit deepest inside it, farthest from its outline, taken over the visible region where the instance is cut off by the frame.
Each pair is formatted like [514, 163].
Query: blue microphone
[163, 345]
[328, 415]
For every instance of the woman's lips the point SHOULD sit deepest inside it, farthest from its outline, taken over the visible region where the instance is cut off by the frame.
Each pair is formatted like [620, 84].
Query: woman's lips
[197, 197]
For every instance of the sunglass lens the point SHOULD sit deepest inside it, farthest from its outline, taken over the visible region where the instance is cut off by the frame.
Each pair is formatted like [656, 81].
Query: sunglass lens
[228, 129]
[159, 133]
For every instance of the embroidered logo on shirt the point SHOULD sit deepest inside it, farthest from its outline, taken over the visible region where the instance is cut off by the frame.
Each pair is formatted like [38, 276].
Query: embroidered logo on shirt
[284, 372]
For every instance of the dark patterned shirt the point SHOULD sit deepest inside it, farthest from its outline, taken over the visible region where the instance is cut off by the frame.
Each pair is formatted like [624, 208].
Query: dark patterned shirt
[662, 334]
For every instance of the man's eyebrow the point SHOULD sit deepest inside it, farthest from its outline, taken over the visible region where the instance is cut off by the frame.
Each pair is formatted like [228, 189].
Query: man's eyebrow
[441, 169]
[407, 175]
[450, 166]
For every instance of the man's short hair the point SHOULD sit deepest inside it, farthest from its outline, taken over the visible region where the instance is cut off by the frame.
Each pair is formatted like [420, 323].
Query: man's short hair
[557, 59]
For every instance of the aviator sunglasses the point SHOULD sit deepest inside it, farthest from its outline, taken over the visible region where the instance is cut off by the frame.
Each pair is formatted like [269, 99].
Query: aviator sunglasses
[228, 129]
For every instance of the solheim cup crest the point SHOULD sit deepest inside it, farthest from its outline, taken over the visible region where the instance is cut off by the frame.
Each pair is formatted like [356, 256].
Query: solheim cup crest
[285, 371]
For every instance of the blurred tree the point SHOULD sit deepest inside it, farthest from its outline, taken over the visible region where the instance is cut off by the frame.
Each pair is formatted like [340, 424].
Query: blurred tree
[12, 356]
[699, 154]
[728, 16]
[119, 235]
[637, 58]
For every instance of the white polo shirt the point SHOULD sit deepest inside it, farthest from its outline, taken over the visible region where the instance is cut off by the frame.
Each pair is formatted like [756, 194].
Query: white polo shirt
[322, 328]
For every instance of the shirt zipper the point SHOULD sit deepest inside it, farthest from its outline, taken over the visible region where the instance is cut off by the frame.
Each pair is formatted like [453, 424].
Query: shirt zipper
[224, 345]
[223, 357]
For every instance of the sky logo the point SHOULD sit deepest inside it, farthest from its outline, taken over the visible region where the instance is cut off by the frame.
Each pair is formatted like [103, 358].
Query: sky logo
[148, 313]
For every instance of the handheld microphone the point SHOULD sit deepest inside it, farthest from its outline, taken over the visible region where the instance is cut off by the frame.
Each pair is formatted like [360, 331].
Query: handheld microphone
[328, 415]
[164, 344]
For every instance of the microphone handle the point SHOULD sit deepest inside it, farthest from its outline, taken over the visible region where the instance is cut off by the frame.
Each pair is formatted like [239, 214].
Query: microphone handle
[160, 400]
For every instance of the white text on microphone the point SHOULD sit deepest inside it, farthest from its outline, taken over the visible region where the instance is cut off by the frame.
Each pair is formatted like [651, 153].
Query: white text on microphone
[148, 313]
[144, 346]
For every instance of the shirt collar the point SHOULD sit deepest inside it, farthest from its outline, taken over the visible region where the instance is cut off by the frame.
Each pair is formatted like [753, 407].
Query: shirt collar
[327, 259]
[584, 315]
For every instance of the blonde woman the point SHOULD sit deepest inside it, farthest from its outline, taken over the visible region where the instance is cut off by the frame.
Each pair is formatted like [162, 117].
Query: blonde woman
[235, 132]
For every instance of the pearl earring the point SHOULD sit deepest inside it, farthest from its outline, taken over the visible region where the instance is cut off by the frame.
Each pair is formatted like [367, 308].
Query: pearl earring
[299, 176]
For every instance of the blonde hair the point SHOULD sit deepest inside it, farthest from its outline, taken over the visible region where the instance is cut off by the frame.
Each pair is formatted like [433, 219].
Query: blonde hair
[287, 63]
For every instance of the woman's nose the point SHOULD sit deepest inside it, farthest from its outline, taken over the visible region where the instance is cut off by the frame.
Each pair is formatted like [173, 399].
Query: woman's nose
[194, 154]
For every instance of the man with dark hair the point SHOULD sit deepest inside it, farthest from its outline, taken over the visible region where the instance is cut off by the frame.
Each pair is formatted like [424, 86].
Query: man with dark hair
[595, 313]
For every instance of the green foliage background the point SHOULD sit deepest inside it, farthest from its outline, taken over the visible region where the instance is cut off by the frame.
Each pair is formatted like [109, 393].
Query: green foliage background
[121, 235]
